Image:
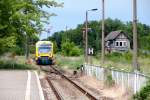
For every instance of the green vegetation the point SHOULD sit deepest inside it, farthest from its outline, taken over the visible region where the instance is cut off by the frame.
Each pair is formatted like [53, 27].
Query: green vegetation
[116, 61]
[69, 49]
[144, 93]
[123, 62]
[119, 61]
[14, 65]
[10, 61]
[21, 22]
[69, 62]
[94, 35]
[125, 57]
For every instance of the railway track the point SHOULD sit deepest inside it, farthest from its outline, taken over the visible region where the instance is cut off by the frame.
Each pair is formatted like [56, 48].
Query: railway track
[56, 91]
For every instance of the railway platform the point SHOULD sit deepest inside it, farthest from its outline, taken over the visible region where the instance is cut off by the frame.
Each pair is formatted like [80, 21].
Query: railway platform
[20, 85]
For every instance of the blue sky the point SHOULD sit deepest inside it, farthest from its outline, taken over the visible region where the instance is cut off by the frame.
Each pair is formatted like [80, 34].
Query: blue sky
[73, 13]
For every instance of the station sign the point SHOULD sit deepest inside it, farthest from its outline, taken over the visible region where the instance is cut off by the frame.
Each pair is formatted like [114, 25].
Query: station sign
[90, 51]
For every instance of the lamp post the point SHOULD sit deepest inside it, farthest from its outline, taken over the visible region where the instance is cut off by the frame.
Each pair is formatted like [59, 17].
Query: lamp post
[86, 34]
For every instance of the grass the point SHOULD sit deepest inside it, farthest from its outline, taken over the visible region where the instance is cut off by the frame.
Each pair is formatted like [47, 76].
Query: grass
[13, 65]
[14, 62]
[116, 61]
[69, 62]
[124, 62]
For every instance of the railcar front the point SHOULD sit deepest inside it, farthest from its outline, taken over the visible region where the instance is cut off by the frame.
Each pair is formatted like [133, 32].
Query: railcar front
[44, 52]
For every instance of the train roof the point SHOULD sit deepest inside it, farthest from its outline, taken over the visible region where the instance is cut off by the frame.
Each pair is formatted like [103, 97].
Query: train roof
[43, 42]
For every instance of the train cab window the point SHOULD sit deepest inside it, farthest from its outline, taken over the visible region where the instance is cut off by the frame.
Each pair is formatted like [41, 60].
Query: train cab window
[44, 49]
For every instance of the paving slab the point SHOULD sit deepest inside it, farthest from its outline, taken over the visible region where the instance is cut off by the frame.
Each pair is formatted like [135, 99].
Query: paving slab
[20, 85]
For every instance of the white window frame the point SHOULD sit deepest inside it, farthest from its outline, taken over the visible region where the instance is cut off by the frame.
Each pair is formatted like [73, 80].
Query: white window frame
[123, 42]
[116, 43]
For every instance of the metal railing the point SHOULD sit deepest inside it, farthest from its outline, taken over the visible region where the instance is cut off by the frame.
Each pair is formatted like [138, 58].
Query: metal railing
[129, 80]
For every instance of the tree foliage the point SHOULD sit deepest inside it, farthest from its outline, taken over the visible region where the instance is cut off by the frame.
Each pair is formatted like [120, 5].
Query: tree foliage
[69, 49]
[144, 93]
[21, 18]
[94, 35]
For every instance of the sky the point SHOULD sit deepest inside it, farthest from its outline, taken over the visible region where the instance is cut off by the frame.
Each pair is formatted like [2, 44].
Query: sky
[73, 13]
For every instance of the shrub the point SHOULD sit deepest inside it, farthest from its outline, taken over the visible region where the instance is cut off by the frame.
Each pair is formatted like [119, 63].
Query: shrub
[69, 49]
[128, 56]
[18, 50]
[13, 65]
[144, 93]
[75, 51]
[114, 56]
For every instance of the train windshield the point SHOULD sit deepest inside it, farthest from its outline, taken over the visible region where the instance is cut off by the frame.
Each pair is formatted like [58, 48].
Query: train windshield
[44, 49]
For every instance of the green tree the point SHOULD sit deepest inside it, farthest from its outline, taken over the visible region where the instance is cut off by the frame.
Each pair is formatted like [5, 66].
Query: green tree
[23, 19]
[69, 49]
[94, 35]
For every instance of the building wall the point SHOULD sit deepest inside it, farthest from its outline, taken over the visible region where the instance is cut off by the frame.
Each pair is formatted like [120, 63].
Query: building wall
[121, 43]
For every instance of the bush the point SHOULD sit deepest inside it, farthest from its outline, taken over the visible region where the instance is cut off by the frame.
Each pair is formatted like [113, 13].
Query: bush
[13, 65]
[128, 56]
[17, 50]
[32, 49]
[114, 56]
[144, 93]
[69, 49]
[75, 51]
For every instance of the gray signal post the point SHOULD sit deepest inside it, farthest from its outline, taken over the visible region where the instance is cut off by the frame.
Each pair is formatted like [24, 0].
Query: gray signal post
[86, 34]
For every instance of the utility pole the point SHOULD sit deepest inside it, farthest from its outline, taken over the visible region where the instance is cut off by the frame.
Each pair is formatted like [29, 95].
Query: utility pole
[135, 62]
[86, 37]
[103, 33]
[84, 45]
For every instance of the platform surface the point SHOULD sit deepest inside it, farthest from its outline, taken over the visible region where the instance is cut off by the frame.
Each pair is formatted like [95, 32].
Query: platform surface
[20, 85]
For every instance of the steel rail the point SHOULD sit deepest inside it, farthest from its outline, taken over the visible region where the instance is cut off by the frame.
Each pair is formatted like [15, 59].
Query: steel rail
[89, 95]
[57, 94]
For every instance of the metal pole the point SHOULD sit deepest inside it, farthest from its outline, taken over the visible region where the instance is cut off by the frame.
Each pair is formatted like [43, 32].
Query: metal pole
[135, 62]
[86, 37]
[84, 45]
[103, 32]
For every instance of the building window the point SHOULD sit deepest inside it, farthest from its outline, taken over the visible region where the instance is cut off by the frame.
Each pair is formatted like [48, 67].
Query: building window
[120, 44]
[117, 44]
[125, 44]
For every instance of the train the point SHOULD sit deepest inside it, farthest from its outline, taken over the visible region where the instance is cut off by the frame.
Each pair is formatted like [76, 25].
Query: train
[44, 53]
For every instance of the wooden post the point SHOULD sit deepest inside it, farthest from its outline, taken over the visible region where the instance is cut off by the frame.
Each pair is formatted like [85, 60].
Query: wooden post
[135, 62]
[103, 32]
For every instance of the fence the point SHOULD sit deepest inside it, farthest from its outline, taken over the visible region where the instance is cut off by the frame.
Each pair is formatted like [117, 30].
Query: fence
[134, 80]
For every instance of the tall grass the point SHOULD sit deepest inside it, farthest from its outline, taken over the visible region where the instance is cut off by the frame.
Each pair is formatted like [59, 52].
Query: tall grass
[123, 61]
[14, 62]
[117, 61]
[69, 62]
[13, 65]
